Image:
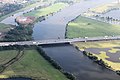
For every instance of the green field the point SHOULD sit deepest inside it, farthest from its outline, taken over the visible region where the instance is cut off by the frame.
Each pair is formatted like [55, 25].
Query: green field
[85, 27]
[32, 64]
[4, 27]
[7, 55]
[44, 11]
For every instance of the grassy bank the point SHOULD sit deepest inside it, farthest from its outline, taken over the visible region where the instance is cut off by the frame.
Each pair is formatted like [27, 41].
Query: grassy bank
[85, 27]
[32, 64]
[108, 51]
[44, 11]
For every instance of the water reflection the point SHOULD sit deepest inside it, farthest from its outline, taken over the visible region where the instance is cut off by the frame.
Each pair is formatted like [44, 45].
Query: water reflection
[74, 61]
[19, 78]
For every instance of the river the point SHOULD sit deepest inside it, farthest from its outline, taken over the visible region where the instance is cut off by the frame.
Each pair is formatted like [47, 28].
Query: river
[18, 78]
[75, 62]
[55, 26]
[66, 55]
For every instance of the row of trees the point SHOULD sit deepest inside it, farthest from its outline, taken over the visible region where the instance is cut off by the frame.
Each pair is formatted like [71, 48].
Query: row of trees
[55, 64]
[95, 59]
[65, 1]
[107, 19]
[99, 61]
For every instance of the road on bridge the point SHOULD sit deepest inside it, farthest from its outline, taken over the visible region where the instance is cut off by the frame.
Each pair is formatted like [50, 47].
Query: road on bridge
[60, 41]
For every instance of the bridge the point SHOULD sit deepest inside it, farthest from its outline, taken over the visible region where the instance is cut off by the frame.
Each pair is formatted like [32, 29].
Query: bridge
[60, 41]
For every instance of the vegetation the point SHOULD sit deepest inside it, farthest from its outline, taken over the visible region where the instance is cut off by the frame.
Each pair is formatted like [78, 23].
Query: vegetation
[19, 34]
[5, 56]
[95, 59]
[85, 27]
[100, 44]
[48, 10]
[104, 55]
[5, 27]
[55, 64]
[32, 65]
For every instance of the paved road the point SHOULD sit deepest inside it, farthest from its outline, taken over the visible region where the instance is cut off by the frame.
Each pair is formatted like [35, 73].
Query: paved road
[60, 41]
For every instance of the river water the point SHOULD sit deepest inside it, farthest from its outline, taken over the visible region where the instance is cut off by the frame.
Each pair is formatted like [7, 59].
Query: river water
[55, 26]
[66, 55]
[19, 78]
[75, 62]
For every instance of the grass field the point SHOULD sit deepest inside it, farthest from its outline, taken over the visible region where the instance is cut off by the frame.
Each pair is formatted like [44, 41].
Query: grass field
[44, 11]
[85, 27]
[108, 51]
[5, 56]
[32, 64]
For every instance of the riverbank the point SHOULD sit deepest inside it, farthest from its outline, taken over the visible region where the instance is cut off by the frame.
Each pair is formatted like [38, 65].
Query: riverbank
[19, 33]
[47, 10]
[85, 27]
[31, 65]
[42, 14]
[4, 28]
[108, 51]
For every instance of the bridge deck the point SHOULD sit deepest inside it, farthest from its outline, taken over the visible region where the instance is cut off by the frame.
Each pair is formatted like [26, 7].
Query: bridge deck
[59, 41]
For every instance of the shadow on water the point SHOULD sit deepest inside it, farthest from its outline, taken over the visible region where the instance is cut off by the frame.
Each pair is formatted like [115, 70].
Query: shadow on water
[75, 62]
[18, 78]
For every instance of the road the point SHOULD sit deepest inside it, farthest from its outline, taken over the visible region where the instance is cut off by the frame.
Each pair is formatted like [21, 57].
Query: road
[60, 41]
